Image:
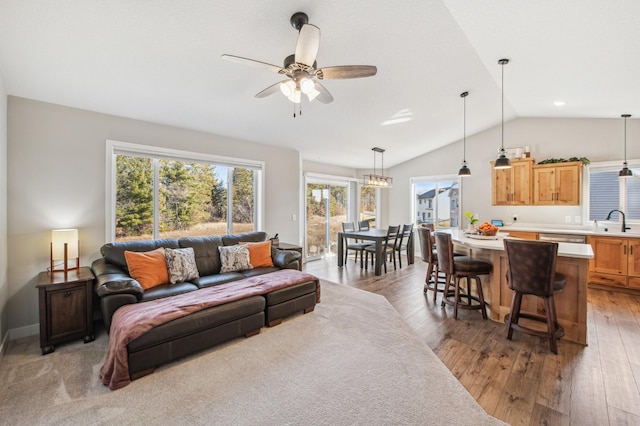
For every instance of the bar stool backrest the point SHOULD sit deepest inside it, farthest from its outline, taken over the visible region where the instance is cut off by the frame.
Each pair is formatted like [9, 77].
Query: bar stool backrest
[445, 253]
[531, 266]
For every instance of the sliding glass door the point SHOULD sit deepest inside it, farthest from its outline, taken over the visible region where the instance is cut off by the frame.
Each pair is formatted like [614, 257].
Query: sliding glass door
[326, 210]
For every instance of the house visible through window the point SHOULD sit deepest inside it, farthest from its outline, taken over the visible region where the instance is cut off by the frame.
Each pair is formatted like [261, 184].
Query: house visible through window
[436, 202]
[608, 192]
[157, 196]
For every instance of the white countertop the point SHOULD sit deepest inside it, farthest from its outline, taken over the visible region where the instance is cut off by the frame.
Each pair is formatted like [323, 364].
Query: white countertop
[583, 251]
[613, 229]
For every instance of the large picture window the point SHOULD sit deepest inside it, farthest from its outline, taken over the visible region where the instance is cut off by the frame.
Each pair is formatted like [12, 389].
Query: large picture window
[159, 193]
[608, 192]
[436, 202]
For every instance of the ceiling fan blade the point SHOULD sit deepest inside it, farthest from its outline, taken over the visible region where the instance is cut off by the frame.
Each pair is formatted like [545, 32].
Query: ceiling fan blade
[252, 62]
[346, 71]
[308, 44]
[271, 89]
[323, 96]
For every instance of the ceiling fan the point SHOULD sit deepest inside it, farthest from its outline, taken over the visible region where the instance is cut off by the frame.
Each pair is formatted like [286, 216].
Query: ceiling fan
[301, 67]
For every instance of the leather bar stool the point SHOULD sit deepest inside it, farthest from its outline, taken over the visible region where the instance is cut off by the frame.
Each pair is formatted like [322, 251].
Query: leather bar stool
[429, 255]
[457, 267]
[532, 270]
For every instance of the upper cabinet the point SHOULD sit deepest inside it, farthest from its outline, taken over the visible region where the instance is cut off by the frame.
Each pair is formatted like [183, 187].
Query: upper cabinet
[557, 184]
[512, 186]
[526, 183]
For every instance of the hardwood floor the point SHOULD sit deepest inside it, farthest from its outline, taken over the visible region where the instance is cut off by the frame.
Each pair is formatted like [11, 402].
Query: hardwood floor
[520, 381]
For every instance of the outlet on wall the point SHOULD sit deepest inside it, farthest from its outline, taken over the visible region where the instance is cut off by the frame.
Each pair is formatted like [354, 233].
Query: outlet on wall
[567, 219]
[578, 219]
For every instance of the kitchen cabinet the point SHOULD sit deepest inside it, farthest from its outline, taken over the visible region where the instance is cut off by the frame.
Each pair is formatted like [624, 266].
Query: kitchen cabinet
[512, 187]
[557, 184]
[615, 263]
[525, 235]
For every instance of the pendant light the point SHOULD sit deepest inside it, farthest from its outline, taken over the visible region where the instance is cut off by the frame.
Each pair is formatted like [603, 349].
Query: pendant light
[625, 172]
[374, 180]
[464, 170]
[502, 162]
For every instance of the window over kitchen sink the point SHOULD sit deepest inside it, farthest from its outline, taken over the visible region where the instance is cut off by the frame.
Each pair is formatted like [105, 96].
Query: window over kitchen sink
[608, 192]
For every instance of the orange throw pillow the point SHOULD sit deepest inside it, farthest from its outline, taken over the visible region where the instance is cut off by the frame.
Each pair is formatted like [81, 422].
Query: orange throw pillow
[148, 268]
[260, 254]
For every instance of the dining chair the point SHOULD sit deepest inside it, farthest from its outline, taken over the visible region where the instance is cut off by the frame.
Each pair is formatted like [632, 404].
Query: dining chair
[531, 269]
[365, 225]
[353, 244]
[455, 269]
[406, 238]
[388, 248]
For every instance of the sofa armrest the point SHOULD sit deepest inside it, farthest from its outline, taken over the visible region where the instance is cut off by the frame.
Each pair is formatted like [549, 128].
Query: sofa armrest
[285, 259]
[112, 279]
[111, 303]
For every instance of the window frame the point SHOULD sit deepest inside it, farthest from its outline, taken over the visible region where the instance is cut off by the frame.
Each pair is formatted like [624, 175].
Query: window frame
[605, 166]
[436, 178]
[113, 148]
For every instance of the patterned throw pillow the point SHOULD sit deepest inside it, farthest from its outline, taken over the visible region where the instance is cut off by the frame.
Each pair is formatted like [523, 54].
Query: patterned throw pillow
[234, 258]
[181, 264]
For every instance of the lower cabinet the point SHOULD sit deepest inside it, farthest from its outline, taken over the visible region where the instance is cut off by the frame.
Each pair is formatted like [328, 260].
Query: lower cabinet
[525, 235]
[615, 263]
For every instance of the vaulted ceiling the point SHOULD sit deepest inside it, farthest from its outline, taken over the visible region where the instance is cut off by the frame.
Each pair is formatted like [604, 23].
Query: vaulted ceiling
[160, 61]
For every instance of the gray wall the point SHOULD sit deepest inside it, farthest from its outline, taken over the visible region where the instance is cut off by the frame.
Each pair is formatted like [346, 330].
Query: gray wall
[4, 286]
[596, 139]
[56, 179]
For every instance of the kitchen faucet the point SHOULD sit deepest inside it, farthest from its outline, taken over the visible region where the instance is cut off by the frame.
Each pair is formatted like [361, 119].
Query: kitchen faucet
[624, 223]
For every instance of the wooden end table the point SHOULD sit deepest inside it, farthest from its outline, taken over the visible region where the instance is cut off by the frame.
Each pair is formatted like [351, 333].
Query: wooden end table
[66, 307]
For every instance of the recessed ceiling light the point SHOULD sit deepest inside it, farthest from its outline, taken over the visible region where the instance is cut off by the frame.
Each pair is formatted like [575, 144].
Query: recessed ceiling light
[559, 103]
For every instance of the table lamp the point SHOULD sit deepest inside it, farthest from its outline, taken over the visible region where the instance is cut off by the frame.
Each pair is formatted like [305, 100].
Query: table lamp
[64, 246]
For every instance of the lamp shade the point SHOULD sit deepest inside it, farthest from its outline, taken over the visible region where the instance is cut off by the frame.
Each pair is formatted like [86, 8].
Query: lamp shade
[58, 239]
[502, 162]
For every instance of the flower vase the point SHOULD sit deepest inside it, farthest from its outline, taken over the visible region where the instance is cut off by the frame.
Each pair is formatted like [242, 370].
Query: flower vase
[471, 229]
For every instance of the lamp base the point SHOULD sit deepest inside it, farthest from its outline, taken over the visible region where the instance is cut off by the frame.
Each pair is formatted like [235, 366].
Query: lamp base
[65, 268]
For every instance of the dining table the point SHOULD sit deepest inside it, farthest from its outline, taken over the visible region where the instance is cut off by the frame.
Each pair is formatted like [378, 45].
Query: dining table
[378, 236]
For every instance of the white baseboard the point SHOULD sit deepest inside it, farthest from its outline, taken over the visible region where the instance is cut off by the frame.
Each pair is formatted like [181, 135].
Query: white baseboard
[28, 330]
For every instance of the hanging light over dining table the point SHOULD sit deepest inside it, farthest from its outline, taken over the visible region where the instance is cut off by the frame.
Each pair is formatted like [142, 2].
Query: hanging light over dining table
[377, 180]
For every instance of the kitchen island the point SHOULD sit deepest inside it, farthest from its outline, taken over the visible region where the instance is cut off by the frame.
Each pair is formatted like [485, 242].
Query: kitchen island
[571, 304]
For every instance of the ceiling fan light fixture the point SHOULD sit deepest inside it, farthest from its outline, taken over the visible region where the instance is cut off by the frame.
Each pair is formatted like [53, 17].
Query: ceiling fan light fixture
[287, 88]
[625, 172]
[307, 85]
[313, 94]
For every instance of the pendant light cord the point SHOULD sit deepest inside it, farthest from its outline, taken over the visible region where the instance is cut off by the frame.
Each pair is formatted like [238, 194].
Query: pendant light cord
[464, 129]
[502, 126]
[625, 139]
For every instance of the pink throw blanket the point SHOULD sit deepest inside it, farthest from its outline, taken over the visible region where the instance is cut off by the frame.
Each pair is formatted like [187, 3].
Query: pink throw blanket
[132, 321]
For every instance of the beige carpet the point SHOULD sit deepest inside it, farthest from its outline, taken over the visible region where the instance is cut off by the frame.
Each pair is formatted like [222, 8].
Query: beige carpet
[352, 361]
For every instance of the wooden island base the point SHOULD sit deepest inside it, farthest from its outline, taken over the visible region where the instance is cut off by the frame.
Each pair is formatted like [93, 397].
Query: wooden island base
[571, 304]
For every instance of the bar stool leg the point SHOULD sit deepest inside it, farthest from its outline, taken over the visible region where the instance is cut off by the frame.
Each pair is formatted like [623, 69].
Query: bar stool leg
[481, 297]
[551, 323]
[514, 315]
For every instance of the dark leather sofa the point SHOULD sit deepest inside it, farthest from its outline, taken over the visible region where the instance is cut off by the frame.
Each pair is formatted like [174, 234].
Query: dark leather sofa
[206, 328]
